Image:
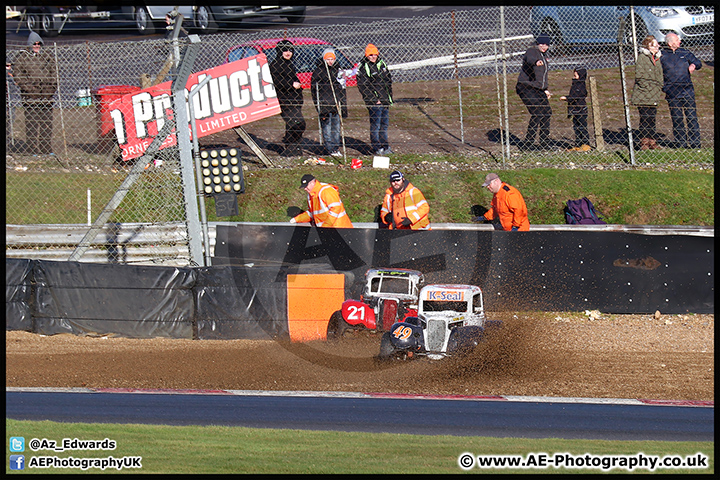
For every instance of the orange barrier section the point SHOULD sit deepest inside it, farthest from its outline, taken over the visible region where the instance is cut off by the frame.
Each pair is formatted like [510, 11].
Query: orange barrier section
[312, 299]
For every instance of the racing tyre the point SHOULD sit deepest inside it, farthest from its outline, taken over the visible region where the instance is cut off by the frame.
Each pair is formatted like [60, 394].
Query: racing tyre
[337, 326]
[386, 347]
[463, 340]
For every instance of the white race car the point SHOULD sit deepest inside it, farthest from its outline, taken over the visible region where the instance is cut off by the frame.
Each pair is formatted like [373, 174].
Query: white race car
[450, 321]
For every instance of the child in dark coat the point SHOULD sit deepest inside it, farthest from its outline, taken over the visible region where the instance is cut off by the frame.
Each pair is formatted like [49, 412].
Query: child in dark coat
[578, 111]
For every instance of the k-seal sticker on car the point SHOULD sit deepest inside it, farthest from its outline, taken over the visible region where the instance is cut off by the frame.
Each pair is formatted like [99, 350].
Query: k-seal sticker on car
[444, 295]
[239, 92]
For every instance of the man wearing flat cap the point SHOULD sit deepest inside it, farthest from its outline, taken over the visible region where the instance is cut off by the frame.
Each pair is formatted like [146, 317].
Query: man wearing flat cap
[532, 87]
[325, 209]
[508, 205]
[404, 206]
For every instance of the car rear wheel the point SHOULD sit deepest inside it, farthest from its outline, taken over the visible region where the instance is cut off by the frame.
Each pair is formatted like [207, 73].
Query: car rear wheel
[204, 21]
[143, 21]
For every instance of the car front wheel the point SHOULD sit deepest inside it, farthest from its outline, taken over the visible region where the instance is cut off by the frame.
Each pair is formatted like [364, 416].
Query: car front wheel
[386, 347]
[337, 326]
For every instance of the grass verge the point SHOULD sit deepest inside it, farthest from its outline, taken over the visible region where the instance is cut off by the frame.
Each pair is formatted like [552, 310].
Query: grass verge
[622, 197]
[217, 449]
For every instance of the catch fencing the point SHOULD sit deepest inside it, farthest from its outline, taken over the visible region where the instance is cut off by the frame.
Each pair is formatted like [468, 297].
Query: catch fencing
[454, 78]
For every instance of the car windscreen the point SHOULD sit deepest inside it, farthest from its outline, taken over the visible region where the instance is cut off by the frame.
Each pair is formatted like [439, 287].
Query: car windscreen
[390, 285]
[243, 52]
[440, 306]
[305, 59]
[307, 56]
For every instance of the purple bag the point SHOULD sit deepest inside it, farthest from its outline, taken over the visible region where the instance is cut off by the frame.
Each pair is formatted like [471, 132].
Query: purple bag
[582, 212]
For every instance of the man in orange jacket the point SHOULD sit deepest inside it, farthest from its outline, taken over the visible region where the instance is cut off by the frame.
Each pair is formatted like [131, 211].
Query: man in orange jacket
[404, 206]
[325, 209]
[507, 205]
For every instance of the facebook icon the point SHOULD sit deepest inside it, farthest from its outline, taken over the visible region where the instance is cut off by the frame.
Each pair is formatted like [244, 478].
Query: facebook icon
[17, 462]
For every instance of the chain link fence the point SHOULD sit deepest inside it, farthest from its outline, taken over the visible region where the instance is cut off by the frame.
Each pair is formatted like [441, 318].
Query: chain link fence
[454, 77]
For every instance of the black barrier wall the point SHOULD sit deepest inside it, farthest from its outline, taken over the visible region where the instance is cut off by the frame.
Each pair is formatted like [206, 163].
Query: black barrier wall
[247, 296]
[18, 291]
[128, 300]
[614, 272]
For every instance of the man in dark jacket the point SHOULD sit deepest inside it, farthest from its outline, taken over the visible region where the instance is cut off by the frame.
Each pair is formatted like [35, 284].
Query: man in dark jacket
[35, 75]
[290, 95]
[532, 87]
[330, 98]
[678, 65]
[375, 85]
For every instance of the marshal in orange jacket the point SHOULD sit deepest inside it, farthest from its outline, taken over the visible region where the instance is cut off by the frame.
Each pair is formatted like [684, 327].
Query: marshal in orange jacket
[325, 209]
[410, 203]
[509, 206]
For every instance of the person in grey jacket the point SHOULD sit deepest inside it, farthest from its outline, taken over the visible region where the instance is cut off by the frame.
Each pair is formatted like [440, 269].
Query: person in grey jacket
[678, 66]
[532, 87]
[330, 99]
[647, 91]
[35, 75]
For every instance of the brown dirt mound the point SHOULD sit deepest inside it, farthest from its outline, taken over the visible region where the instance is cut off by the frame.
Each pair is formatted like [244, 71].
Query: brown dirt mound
[630, 356]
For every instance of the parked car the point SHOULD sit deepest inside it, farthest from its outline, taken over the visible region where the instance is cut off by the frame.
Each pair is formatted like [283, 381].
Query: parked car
[49, 20]
[389, 296]
[450, 321]
[308, 51]
[600, 24]
[206, 18]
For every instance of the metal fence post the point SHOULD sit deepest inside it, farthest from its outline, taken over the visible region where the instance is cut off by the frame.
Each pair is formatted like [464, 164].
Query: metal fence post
[198, 174]
[628, 124]
[185, 150]
[504, 61]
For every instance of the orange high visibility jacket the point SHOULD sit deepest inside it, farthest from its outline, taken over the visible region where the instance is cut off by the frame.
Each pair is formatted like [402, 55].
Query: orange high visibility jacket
[325, 209]
[509, 206]
[409, 203]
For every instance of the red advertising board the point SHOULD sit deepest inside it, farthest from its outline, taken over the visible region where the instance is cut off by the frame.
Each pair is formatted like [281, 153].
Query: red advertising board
[239, 92]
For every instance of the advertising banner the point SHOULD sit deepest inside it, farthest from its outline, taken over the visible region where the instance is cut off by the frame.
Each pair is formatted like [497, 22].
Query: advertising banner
[239, 92]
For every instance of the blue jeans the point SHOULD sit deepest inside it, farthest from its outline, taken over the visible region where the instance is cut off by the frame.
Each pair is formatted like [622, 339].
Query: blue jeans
[379, 121]
[682, 110]
[331, 132]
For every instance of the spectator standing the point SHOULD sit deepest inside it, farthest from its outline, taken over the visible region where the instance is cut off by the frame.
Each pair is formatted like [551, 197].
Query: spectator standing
[34, 73]
[577, 109]
[290, 96]
[375, 85]
[532, 87]
[508, 205]
[404, 206]
[330, 100]
[647, 91]
[678, 65]
[325, 209]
